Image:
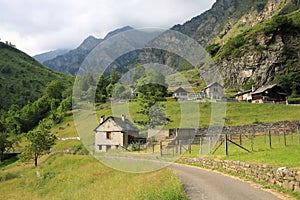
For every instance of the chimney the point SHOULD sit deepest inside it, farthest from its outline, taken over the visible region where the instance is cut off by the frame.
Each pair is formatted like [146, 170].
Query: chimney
[253, 88]
[123, 117]
[102, 118]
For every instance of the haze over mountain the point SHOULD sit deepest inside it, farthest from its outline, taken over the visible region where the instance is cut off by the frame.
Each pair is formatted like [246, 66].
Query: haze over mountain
[50, 55]
[70, 62]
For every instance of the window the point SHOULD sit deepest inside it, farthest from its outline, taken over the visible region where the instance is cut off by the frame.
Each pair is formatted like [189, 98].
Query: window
[108, 135]
[100, 147]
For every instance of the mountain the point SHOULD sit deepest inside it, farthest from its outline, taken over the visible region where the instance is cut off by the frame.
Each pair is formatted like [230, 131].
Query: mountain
[70, 62]
[252, 42]
[119, 30]
[217, 21]
[50, 55]
[22, 78]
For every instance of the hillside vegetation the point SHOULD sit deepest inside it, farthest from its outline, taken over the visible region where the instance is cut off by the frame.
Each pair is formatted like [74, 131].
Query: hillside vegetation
[73, 174]
[23, 79]
[236, 113]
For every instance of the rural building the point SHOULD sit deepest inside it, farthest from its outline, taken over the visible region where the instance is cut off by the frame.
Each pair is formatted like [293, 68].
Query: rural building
[213, 91]
[114, 132]
[244, 96]
[180, 94]
[269, 94]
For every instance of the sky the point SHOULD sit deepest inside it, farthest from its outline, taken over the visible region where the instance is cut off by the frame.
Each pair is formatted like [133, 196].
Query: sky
[37, 26]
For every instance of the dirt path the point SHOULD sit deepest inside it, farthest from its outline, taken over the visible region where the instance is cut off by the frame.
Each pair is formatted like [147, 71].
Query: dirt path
[204, 184]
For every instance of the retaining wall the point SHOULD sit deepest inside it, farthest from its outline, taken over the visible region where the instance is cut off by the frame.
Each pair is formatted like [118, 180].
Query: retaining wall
[283, 177]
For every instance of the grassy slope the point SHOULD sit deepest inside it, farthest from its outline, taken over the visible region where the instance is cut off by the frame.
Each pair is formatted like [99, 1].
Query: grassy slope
[22, 79]
[83, 177]
[67, 176]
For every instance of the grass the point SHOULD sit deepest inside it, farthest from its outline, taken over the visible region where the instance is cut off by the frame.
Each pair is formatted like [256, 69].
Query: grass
[188, 113]
[62, 176]
[75, 176]
[260, 152]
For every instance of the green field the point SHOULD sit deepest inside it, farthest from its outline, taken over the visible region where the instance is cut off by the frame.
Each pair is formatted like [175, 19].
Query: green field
[187, 113]
[260, 152]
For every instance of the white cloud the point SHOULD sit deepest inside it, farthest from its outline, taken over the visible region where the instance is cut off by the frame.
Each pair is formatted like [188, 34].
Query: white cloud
[37, 26]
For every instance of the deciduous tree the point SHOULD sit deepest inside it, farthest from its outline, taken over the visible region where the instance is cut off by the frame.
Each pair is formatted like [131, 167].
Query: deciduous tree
[40, 142]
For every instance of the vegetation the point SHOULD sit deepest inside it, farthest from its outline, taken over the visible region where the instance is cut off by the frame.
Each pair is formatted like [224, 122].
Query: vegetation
[260, 152]
[60, 176]
[40, 141]
[22, 79]
[236, 113]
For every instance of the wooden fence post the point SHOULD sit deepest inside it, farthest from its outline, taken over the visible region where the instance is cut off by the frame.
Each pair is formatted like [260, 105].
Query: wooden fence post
[180, 150]
[226, 144]
[270, 138]
[160, 148]
[209, 143]
[251, 140]
[201, 140]
[284, 137]
[298, 133]
[241, 139]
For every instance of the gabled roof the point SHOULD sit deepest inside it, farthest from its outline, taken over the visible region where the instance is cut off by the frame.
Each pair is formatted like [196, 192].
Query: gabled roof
[181, 90]
[243, 92]
[265, 88]
[210, 85]
[125, 125]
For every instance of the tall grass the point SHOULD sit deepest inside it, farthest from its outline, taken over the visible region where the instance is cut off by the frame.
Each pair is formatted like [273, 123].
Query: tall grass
[83, 177]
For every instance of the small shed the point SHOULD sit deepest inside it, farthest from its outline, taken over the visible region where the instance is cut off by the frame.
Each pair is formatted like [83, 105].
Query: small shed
[113, 133]
[214, 91]
[269, 94]
[181, 94]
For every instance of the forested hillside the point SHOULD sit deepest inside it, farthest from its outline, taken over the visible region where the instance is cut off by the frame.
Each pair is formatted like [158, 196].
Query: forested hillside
[22, 78]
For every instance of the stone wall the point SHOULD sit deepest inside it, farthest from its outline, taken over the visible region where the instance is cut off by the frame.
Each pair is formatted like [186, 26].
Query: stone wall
[283, 177]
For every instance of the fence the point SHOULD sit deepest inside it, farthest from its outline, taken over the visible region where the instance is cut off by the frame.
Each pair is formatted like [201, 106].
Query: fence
[247, 138]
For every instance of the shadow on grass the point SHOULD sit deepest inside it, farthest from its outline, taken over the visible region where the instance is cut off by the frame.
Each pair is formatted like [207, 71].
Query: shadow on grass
[9, 161]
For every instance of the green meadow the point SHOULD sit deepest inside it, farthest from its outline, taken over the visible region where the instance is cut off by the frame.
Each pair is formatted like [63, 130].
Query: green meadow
[233, 114]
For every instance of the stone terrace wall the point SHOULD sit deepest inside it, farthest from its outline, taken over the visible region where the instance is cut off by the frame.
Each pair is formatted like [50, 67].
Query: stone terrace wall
[259, 127]
[283, 177]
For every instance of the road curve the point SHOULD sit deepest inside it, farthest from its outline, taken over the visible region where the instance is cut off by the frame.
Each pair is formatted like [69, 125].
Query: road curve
[201, 184]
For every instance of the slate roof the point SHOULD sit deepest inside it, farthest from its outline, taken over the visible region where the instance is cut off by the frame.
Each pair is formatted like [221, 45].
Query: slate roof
[180, 90]
[209, 85]
[264, 88]
[125, 125]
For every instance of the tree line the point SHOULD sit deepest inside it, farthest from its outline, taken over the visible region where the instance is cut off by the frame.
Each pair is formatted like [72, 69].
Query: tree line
[34, 120]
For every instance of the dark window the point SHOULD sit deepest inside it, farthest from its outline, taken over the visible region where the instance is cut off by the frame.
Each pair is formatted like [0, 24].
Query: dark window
[108, 135]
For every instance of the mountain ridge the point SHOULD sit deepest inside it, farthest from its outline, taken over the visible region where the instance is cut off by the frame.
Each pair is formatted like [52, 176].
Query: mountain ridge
[70, 62]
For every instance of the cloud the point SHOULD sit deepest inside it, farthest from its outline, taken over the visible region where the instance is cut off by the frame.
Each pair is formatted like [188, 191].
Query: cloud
[37, 26]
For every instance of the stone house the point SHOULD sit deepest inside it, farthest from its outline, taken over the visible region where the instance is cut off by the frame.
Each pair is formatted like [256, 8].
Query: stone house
[213, 91]
[114, 133]
[180, 94]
